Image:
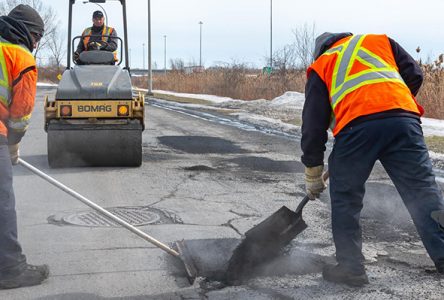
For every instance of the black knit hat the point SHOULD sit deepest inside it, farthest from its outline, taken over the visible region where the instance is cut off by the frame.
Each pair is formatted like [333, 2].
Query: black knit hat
[29, 17]
[97, 14]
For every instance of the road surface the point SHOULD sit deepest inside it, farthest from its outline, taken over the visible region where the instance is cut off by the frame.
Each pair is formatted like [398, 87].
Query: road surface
[201, 180]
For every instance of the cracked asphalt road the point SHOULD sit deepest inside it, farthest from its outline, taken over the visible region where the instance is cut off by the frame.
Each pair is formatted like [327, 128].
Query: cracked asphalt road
[210, 181]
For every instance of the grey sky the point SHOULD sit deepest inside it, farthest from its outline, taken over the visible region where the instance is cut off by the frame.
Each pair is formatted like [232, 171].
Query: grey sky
[239, 29]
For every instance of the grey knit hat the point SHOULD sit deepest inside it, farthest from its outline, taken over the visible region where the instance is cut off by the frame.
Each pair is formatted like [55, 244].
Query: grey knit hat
[326, 40]
[30, 18]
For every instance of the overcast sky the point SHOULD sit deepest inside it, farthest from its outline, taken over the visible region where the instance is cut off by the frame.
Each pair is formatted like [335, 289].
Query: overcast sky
[240, 29]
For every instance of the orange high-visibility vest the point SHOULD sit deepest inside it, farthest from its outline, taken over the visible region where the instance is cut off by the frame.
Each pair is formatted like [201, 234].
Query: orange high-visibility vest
[106, 33]
[17, 91]
[86, 35]
[362, 78]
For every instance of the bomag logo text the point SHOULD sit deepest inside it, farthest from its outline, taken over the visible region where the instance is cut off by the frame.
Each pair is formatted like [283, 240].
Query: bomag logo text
[95, 108]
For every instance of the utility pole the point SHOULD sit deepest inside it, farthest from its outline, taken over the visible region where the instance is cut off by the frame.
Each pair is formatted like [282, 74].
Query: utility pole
[150, 71]
[271, 34]
[165, 54]
[200, 45]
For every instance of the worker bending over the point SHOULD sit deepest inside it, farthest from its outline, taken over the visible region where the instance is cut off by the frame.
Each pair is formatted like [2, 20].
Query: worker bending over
[364, 87]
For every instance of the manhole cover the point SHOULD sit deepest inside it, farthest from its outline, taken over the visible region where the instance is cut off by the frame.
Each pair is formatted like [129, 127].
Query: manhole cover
[136, 216]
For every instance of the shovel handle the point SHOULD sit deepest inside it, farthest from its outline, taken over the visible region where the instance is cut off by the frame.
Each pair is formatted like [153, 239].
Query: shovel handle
[306, 198]
[99, 209]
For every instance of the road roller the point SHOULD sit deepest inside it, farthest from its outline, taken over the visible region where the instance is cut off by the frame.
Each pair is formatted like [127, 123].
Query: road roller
[95, 118]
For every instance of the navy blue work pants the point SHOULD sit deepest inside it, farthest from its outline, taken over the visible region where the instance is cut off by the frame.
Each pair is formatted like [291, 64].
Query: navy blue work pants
[398, 143]
[11, 257]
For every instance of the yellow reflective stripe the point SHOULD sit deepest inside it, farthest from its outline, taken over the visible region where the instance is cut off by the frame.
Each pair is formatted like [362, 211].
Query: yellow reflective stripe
[20, 124]
[372, 58]
[5, 90]
[343, 83]
[365, 79]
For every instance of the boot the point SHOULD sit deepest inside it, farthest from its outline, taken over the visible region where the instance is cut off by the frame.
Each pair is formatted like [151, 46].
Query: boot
[29, 276]
[339, 274]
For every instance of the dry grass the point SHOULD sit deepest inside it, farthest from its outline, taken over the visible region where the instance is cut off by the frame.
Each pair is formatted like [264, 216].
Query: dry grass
[238, 82]
[233, 83]
[431, 95]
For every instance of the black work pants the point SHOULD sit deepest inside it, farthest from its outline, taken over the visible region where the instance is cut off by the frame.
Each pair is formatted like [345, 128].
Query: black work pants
[398, 143]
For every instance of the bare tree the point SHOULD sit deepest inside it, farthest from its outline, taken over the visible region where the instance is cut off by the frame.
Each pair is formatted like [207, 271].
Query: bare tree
[47, 13]
[57, 49]
[285, 59]
[177, 64]
[304, 44]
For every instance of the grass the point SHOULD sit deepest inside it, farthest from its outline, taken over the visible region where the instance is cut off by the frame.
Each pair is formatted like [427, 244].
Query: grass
[435, 143]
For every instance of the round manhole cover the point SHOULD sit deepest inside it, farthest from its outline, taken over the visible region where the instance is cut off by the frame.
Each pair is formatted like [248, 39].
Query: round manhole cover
[136, 216]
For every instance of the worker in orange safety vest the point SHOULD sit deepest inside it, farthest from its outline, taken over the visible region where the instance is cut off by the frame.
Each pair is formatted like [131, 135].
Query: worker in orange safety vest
[97, 37]
[20, 33]
[363, 87]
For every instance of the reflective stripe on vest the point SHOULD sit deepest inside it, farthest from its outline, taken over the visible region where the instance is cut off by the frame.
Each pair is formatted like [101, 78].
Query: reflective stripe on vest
[19, 125]
[5, 89]
[349, 52]
[106, 32]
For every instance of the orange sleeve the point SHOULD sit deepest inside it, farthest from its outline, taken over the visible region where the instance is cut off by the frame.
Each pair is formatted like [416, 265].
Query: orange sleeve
[23, 83]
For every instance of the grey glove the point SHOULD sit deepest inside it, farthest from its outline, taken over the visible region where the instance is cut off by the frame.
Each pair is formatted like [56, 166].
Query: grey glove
[76, 56]
[438, 216]
[14, 153]
[314, 183]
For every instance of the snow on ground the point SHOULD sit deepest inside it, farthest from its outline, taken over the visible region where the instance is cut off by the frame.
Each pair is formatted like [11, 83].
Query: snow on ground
[281, 109]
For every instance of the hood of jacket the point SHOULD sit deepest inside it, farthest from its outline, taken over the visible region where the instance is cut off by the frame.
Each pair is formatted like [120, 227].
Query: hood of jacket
[15, 31]
[326, 40]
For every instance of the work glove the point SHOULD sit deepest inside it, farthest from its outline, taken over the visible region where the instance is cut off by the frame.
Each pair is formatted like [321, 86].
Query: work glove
[314, 183]
[438, 216]
[95, 46]
[76, 56]
[14, 153]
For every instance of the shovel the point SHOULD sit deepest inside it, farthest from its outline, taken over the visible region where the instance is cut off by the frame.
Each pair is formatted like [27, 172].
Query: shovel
[266, 240]
[182, 252]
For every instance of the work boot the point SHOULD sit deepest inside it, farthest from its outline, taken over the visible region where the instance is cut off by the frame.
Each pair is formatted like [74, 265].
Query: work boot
[31, 275]
[339, 274]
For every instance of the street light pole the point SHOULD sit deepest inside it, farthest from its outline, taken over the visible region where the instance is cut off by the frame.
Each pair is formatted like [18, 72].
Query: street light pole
[143, 55]
[104, 11]
[271, 33]
[150, 71]
[200, 45]
[165, 54]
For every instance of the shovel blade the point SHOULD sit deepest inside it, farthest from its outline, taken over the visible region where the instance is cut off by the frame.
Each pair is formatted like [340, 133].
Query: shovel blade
[264, 242]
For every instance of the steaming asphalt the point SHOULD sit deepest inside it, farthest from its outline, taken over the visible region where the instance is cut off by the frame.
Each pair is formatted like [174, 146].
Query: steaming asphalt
[206, 181]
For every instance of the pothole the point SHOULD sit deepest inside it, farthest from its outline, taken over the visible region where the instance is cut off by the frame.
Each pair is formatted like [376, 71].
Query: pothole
[199, 168]
[134, 215]
[200, 144]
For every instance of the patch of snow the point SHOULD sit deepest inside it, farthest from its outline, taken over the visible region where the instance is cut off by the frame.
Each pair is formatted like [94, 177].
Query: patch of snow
[44, 84]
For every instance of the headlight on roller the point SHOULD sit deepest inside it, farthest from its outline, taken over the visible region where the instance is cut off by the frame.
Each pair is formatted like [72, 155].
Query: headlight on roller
[122, 110]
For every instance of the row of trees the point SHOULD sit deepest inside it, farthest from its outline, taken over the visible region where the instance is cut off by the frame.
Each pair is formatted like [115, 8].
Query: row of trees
[52, 45]
[295, 56]
[51, 50]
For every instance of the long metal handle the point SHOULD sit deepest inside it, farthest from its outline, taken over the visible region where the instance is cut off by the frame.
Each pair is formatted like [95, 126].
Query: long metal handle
[306, 199]
[99, 208]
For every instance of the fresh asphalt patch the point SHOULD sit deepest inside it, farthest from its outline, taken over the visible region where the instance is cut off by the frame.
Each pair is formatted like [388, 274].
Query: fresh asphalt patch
[214, 255]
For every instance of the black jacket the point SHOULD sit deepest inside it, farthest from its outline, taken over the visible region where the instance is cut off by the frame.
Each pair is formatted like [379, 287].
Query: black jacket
[96, 36]
[317, 108]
